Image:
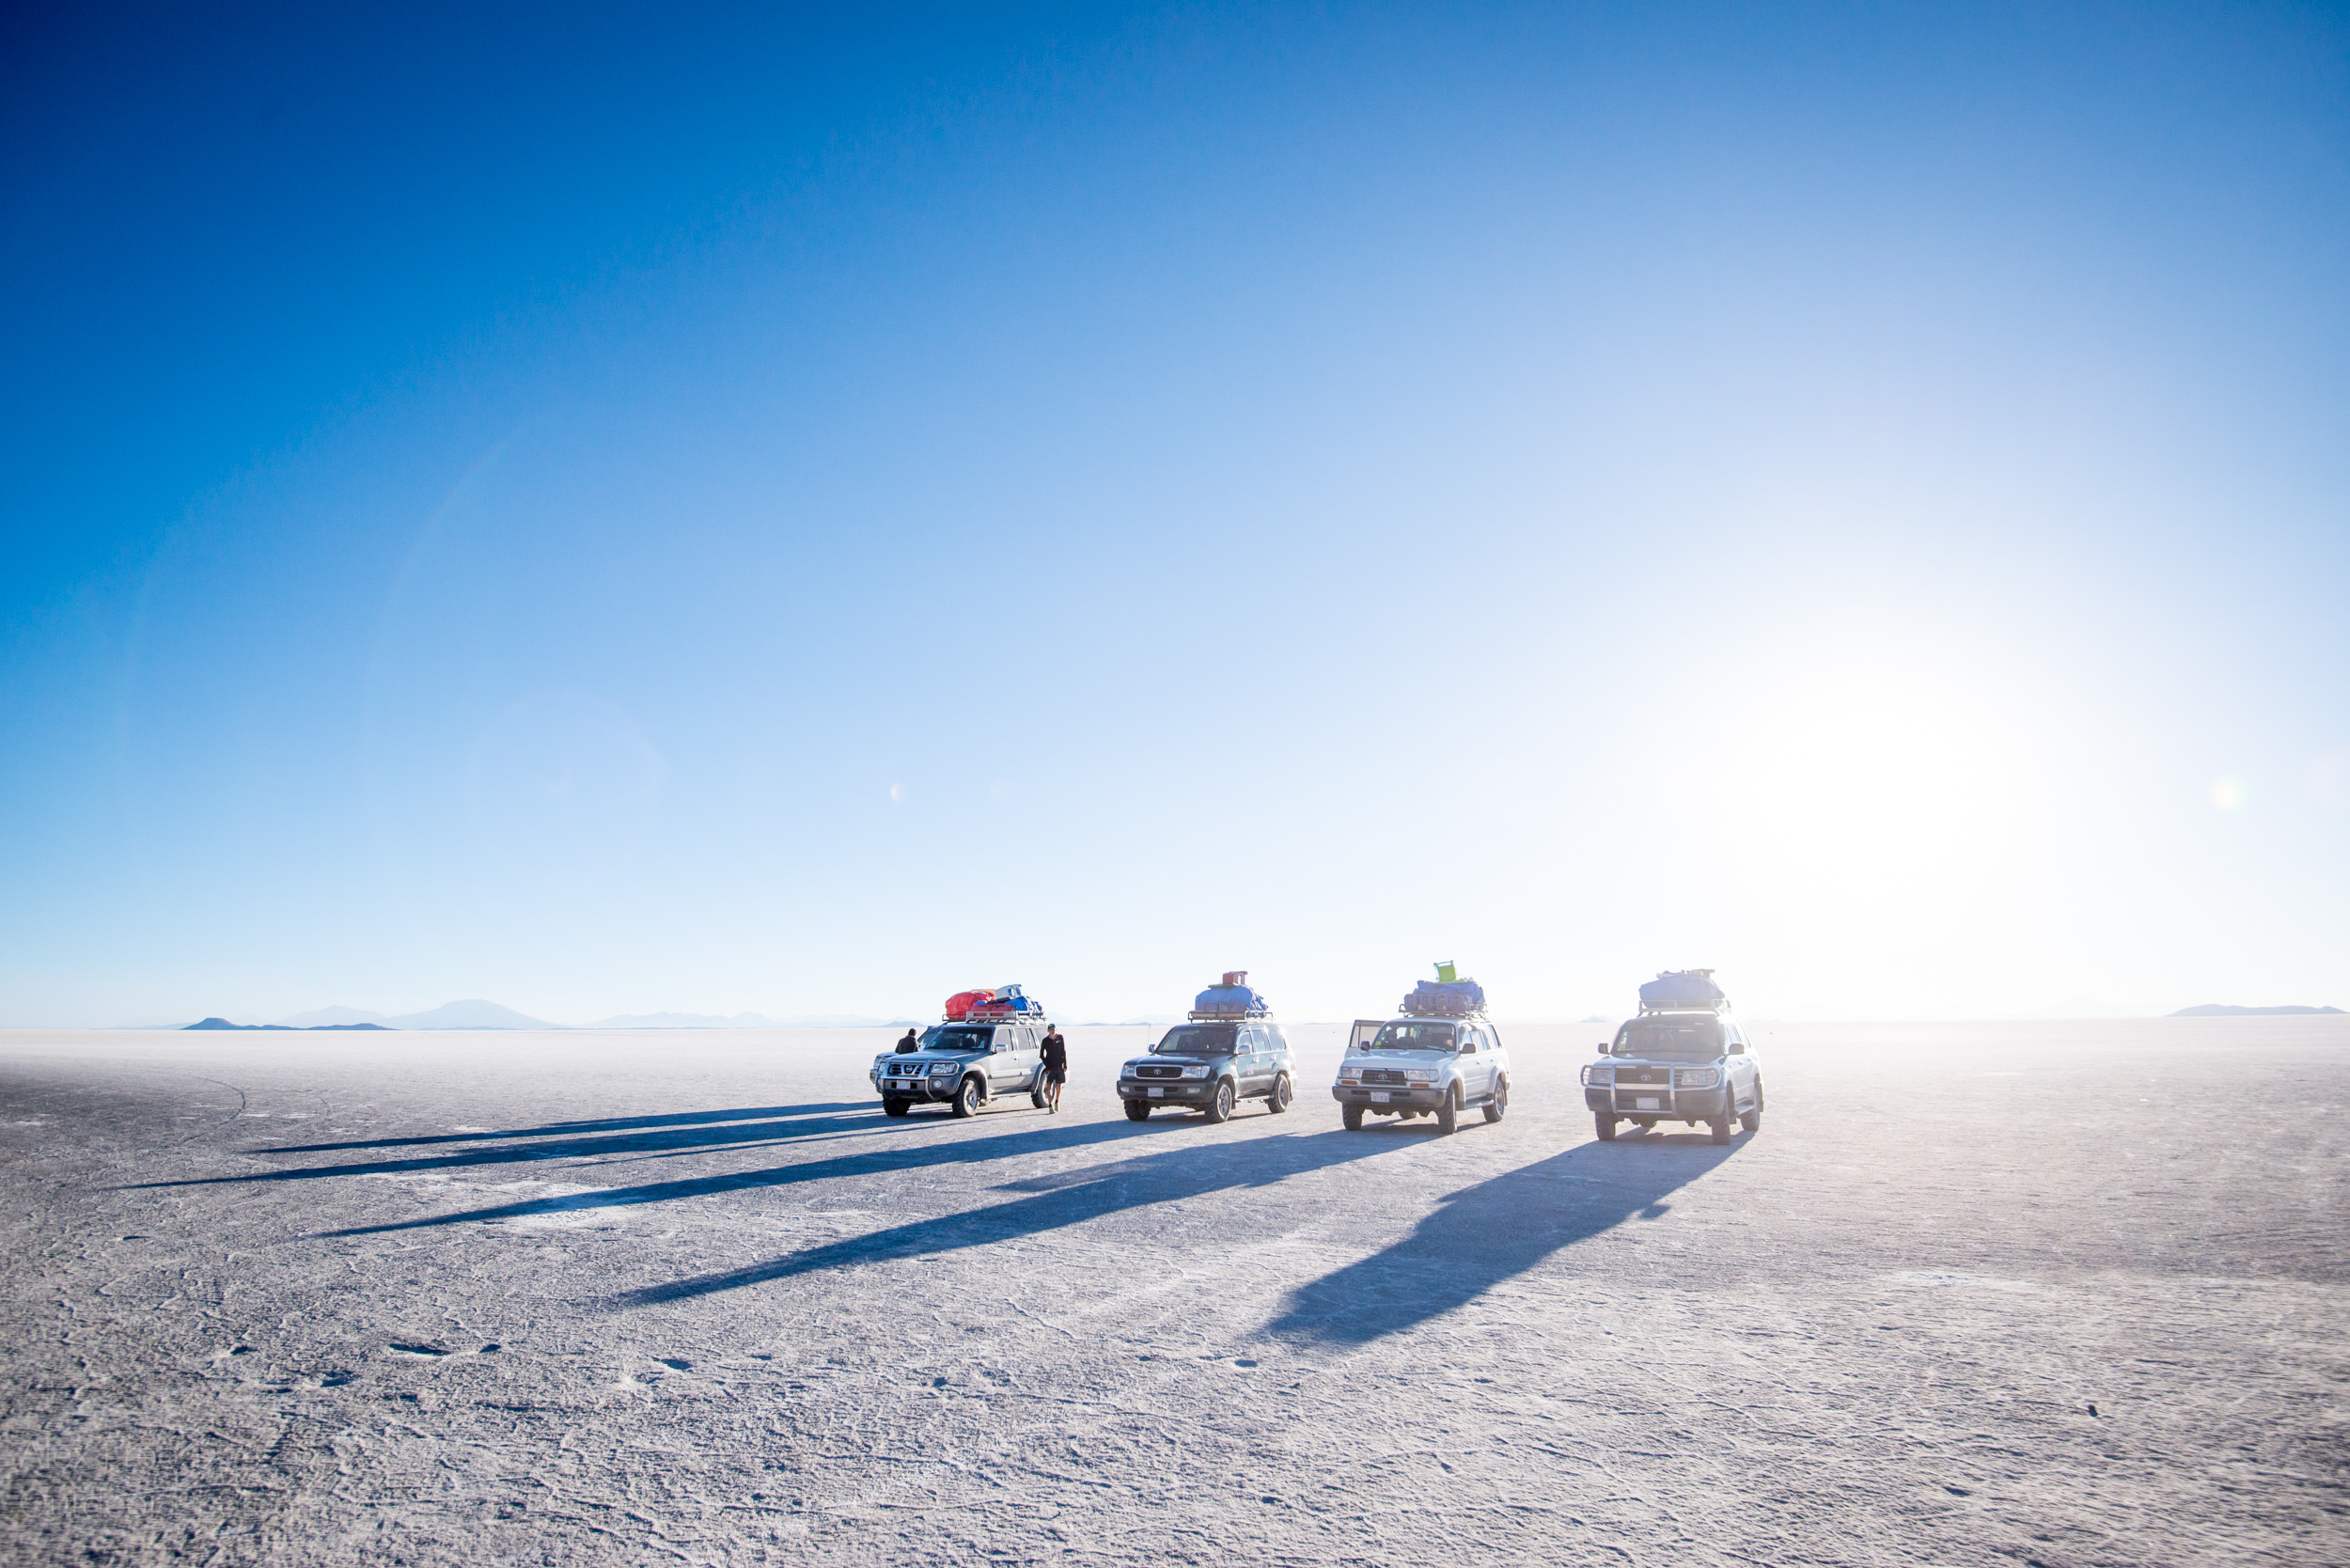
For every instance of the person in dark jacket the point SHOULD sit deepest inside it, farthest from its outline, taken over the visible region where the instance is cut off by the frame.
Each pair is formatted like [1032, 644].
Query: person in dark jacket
[913, 1041]
[1055, 1051]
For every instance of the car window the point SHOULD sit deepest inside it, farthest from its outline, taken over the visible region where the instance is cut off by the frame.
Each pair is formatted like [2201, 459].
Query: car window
[1275, 1039]
[1254, 1042]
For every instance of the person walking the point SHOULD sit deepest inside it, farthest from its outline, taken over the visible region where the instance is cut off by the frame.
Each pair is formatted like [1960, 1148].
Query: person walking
[1056, 1054]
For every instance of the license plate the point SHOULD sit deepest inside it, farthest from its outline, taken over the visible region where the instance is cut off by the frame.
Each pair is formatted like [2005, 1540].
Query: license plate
[1378, 1096]
[1649, 1102]
[1158, 1094]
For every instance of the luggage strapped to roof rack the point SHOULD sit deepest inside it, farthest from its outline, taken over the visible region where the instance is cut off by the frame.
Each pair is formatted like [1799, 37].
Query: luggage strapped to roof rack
[1234, 998]
[1444, 1000]
[1683, 991]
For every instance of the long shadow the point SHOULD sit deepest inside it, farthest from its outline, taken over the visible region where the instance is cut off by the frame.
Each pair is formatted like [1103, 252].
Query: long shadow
[579, 1129]
[675, 1138]
[874, 1163]
[1495, 1230]
[1069, 1199]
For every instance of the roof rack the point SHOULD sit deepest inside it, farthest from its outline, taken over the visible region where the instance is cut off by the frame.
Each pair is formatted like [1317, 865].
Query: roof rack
[1233, 1015]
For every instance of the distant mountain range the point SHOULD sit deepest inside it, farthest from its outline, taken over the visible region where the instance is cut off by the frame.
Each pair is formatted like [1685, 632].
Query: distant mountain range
[2223, 1009]
[288, 1029]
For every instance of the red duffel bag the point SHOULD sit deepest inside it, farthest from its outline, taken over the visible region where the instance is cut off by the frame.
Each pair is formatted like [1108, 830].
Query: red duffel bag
[958, 1006]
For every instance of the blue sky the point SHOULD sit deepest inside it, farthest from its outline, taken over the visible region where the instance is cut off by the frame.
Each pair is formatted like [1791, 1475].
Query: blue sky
[768, 511]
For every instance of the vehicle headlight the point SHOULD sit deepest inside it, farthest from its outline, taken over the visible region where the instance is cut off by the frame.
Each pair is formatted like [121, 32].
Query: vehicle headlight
[944, 1069]
[1602, 1073]
[1351, 1074]
[1199, 1071]
[1420, 1074]
[1696, 1077]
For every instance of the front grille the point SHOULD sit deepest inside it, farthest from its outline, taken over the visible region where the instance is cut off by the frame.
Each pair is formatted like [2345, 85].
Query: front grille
[1659, 1077]
[1154, 1069]
[1382, 1076]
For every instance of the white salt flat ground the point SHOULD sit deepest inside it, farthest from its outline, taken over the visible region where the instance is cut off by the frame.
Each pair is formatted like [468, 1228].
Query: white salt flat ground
[638, 1298]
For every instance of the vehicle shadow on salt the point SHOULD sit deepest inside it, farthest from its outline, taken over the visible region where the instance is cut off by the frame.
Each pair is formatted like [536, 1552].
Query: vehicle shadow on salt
[877, 1162]
[1482, 1235]
[1070, 1198]
[705, 1135]
[581, 1129]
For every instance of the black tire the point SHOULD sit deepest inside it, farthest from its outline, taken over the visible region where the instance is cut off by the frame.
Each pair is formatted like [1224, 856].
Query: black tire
[1606, 1125]
[1278, 1099]
[1036, 1095]
[1752, 1120]
[1137, 1110]
[1220, 1108]
[968, 1096]
[892, 1106]
[1720, 1125]
[1351, 1117]
[1449, 1113]
[1498, 1107]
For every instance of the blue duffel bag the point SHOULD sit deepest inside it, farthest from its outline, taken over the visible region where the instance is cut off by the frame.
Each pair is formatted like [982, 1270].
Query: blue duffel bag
[1240, 1001]
[1445, 999]
[1683, 988]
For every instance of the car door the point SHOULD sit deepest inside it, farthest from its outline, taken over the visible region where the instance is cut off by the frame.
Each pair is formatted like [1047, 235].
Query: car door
[1248, 1070]
[1277, 1055]
[1742, 1068]
[1008, 1067]
[1362, 1033]
[1471, 1061]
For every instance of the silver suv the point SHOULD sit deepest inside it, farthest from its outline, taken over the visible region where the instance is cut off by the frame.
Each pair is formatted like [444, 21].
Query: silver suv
[1409, 1067]
[965, 1065]
[1694, 1066]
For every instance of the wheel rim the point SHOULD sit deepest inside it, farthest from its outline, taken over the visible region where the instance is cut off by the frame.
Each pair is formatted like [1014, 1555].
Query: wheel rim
[1223, 1101]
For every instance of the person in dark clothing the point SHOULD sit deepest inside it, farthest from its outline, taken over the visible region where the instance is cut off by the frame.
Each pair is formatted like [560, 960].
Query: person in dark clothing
[1056, 1054]
[913, 1041]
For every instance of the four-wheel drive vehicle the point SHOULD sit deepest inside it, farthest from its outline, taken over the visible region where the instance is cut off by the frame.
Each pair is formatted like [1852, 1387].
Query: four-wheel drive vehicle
[1419, 1066]
[966, 1065]
[1231, 1050]
[1674, 1065]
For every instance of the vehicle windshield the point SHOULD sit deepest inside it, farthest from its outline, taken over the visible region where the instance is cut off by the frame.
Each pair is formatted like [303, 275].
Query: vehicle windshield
[1199, 1040]
[957, 1037]
[1700, 1037]
[1412, 1034]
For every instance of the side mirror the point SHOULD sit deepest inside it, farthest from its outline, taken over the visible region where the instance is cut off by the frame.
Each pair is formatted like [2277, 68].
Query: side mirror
[1737, 1047]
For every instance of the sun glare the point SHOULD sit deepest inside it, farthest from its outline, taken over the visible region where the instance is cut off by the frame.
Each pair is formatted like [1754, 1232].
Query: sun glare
[1856, 794]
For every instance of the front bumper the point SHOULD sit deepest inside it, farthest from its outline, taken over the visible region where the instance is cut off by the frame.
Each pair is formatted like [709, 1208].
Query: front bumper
[1415, 1097]
[1658, 1100]
[924, 1090]
[1160, 1091]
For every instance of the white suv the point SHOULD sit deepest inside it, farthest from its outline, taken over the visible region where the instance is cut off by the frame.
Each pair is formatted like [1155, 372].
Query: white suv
[1409, 1067]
